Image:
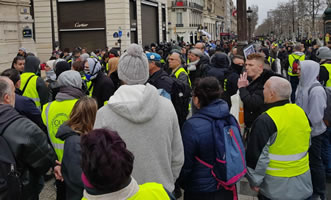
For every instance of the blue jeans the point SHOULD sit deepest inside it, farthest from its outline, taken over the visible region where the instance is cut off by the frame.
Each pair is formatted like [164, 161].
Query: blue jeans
[317, 168]
[326, 151]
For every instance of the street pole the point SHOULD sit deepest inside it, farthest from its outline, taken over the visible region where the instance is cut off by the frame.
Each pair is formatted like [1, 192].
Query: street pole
[313, 20]
[293, 17]
[241, 25]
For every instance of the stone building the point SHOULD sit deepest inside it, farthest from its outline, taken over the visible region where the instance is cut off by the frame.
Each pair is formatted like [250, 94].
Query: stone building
[98, 23]
[15, 30]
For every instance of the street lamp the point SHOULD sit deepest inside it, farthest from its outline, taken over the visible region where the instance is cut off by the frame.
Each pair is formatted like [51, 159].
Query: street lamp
[249, 18]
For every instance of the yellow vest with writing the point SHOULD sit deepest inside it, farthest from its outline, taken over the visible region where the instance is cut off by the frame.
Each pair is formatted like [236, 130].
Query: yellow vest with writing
[289, 153]
[149, 191]
[54, 114]
[291, 59]
[31, 88]
[328, 67]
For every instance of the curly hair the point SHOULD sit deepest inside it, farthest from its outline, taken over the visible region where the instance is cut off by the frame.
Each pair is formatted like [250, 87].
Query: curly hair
[106, 162]
[207, 90]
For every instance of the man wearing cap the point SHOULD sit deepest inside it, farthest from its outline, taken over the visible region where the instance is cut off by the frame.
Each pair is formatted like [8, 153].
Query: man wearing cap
[146, 121]
[324, 53]
[158, 77]
[21, 52]
[195, 65]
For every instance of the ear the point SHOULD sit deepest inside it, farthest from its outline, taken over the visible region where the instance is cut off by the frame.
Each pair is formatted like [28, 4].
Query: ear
[6, 99]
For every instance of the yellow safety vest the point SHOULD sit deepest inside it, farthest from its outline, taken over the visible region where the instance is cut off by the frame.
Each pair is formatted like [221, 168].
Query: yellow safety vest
[179, 71]
[289, 153]
[88, 85]
[31, 88]
[149, 191]
[328, 67]
[54, 115]
[271, 60]
[291, 59]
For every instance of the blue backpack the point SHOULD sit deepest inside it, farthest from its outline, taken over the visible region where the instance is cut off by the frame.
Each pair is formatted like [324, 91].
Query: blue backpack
[230, 165]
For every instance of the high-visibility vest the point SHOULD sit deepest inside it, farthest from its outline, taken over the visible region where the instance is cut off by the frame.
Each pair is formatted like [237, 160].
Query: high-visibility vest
[88, 85]
[148, 191]
[271, 60]
[289, 153]
[54, 114]
[291, 58]
[182, 70]
[328, 67]
[31, 88]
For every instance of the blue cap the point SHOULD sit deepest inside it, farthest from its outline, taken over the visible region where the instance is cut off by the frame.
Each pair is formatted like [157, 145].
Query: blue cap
[153, 56]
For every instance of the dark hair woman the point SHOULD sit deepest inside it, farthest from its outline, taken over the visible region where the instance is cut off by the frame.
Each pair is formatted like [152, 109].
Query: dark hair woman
[198, 140]
[81, 121]
[107, 166]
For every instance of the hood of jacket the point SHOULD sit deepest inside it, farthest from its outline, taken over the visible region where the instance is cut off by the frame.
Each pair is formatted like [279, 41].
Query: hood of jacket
[308, 76]
[31, 64]
[137, 103]
[220, 60]
[7, 115]
[215, 110]
[64, 132]
[299, 53]
[69, 93]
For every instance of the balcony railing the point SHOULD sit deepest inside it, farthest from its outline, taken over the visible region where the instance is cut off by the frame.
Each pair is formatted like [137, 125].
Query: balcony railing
[179, 25]
[186, 4]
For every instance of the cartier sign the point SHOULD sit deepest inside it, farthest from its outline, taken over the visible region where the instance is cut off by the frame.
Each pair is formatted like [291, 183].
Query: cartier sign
[80, 25]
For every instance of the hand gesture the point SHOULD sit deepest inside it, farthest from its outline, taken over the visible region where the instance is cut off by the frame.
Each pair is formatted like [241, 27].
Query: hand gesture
[243, 82]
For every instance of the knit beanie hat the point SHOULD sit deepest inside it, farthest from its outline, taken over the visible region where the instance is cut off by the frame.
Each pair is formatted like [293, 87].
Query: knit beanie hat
[60, 67]
[70, 78]
[323, 53]
[133, 67]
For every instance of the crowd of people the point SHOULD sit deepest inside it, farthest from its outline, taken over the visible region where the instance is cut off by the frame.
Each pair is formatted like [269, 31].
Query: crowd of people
[152, 122]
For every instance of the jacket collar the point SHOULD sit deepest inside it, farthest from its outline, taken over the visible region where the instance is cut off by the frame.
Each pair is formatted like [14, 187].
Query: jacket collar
[275, 104]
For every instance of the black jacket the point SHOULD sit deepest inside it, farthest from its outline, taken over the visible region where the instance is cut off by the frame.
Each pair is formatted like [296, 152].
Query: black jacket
[161, 80]
[103, 88]
[71, 169]
[252, 97]
[34, 156]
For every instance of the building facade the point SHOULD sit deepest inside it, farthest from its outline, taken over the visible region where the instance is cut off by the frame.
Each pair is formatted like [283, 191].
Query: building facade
[16, 27]
[97, 24]
[185, 19]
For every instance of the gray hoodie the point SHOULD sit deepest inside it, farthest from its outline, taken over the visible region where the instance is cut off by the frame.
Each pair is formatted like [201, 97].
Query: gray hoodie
[148, 124]
[313, 103]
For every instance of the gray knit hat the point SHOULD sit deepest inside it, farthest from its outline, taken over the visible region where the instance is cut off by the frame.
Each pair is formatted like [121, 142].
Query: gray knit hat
[70, 78]
[133, 67]
[323, 53]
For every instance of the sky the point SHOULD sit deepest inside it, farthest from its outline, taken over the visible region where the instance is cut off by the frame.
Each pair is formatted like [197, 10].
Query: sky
[264, 6]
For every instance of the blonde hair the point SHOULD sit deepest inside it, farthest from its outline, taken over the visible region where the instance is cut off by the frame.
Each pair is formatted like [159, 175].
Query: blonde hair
[83, 115]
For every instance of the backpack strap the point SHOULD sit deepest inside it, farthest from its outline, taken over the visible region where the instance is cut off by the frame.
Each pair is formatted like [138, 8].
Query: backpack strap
[27, 82]
[314, 85]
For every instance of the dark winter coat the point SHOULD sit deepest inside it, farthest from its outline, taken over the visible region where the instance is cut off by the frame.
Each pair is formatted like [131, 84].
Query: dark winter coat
[103, 88]
[198, 141]
[161, 80]
[33, 155]
[71, 169]
[252, 97]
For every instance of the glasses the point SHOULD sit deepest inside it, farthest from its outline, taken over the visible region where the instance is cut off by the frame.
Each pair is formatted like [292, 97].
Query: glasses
[172, 59]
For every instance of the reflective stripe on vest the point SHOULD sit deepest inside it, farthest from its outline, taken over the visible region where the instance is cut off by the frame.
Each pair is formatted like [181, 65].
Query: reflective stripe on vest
[53, 116]
[31, 88]
[179, 71]
[328, 68]
[149, 191]
[291, 59]
[288, 154]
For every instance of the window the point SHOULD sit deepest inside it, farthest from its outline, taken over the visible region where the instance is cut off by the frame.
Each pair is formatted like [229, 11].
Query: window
[179, 18]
